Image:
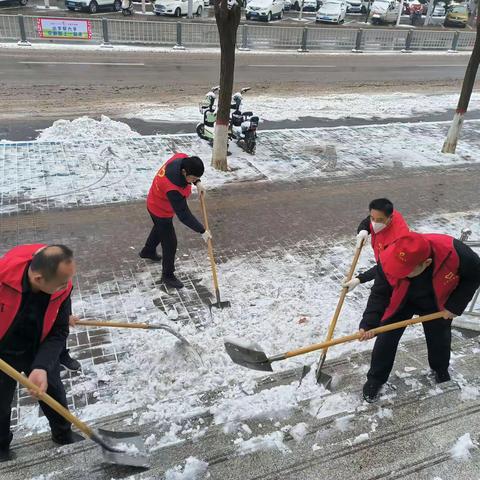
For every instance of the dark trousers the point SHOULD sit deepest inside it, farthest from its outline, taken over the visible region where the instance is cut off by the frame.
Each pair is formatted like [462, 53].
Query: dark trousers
[438, 335]
[163, 233]
[55, 389]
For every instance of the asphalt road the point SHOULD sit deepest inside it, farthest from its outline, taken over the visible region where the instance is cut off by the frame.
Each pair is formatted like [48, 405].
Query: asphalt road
[81, 68]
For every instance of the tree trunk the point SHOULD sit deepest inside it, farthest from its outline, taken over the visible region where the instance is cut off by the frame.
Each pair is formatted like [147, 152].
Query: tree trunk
[227, 16]
[450, 143]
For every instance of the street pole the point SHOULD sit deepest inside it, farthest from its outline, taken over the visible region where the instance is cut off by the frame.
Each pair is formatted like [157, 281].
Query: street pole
[47, 4]
[431, 5]
[368, 11]
[144, 10]
[190, 9]
[400, 11]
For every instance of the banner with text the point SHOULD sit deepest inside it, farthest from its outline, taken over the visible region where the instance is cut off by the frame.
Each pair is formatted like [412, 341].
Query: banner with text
[64, 28]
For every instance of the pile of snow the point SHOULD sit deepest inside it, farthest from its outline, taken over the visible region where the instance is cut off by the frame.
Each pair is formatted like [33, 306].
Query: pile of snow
[271, 441]
[333, 107]
[194, 469]
[86, 128]
[461, 448]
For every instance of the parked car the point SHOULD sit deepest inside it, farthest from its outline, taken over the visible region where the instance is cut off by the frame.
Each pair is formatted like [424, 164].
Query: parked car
[287, 5]
[310, 5]
[456, 16]
[8, 2]
[384, 11]
[177, 8]
[332, 11]
[93, 6]
[264, 10]
[354, 6]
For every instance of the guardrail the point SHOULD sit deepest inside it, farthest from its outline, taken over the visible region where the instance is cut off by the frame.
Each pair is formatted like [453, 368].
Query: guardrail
[250, 37]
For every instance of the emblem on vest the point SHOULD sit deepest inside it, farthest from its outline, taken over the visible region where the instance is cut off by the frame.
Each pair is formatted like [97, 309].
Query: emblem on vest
[161, 172]
[449, 277]
[402, 256]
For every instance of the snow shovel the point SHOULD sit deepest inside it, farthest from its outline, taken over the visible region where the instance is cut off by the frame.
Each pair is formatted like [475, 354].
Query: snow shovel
[218, 303]
[122, 448]
[148, 326]
[251, 356]
[321, 377]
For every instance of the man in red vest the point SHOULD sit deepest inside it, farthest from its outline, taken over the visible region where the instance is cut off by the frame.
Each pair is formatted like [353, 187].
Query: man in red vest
[417, 275]
[35, 286]
[385, 225]
[167, 197]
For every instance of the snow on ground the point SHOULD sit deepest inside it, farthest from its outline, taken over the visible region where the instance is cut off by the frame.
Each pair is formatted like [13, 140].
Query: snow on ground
[461, 448]
[279, 300]
[85, 128]
[270, 441]
[71, 173]
[333, 107]
[194, 469]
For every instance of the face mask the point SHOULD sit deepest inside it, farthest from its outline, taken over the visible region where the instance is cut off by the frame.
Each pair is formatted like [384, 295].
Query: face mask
[378, 227]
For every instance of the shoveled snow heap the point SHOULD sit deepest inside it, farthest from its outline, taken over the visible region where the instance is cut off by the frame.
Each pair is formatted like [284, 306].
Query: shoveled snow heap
[194, 470]
[86, 128]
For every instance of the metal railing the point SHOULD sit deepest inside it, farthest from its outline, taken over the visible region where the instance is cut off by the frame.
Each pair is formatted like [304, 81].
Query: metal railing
[185, 34]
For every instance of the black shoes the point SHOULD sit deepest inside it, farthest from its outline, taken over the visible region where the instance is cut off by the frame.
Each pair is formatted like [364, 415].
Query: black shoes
[442, 376]
[172, 281]
[371, 391]
[69, 363]
[66, 438]
[154, 257]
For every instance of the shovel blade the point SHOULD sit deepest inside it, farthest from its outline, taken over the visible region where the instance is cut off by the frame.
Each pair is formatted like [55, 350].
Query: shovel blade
[124, 448]
[220, 305]
[167, 328]
[324, 379]
[247, 357]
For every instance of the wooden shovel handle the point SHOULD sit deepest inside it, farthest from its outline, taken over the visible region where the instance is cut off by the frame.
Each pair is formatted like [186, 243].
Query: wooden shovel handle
[341, 300]
[356, 336]
[98, 323]
[44, 397]
[209, 243]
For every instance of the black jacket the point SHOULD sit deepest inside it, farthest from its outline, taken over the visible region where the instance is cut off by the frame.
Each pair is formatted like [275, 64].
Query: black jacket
[179, 203]
[420, 293]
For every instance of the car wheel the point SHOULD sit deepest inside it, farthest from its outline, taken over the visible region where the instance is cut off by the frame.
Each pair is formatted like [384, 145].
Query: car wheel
[247, 17]
[280, 15]
[71, 9]
[23, 2]
[178, 12]
[199, 11]
[93, 7]
[269, 17]
[117, 5]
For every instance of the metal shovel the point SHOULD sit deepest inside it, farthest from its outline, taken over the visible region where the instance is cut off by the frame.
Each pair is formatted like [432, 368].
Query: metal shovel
[122, 448]
[257, 359]
[218, 303]
[149, 326]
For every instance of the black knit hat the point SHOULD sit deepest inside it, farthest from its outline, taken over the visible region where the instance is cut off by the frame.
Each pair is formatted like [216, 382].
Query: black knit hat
[193, 166]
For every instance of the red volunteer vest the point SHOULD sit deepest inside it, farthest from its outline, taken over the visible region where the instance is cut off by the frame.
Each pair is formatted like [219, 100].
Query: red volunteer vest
[157, 201]
[445, 274]
[395, 229]
[12, 268]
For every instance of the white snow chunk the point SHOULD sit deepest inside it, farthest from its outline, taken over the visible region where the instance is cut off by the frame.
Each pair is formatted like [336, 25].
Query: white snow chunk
[195, 469]
[270, 441]
[85, 128]
[469, 392]
[363, 437]
[343, 423]
[333, 404]
[462, 447]
[299, 431]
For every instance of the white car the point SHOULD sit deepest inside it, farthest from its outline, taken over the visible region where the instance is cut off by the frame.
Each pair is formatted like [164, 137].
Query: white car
[264, 10]
[20, 2]
[93, 6]
[354, 6]
[332, 11]
[384, 11]
[177, 8]
[310, 6]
